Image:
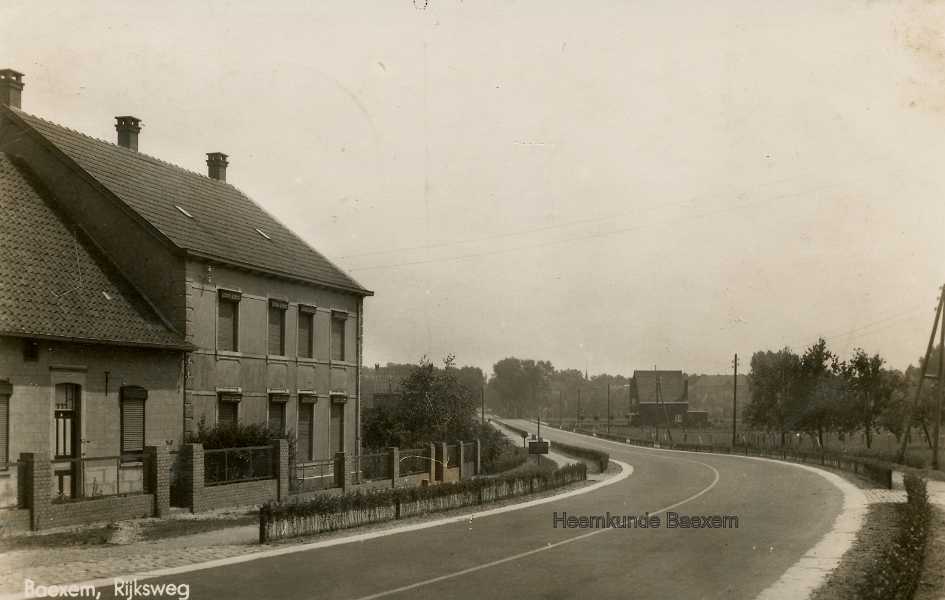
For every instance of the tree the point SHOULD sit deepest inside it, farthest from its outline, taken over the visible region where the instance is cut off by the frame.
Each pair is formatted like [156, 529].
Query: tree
[436, 406]
[774, 379]
[871, 387]
[820, 390]
[521, 385]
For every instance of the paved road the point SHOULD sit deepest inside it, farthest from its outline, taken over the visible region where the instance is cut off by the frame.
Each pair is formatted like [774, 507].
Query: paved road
[782, 512]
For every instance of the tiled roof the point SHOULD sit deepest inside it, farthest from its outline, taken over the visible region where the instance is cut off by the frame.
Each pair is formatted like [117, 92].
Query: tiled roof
[54, 283]
[671, 383]
[223, 223]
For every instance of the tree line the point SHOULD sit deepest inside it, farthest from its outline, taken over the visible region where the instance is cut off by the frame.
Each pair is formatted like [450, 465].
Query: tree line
[817, 392]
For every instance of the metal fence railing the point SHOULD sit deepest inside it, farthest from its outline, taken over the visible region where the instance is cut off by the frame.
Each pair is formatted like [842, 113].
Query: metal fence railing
[311, 476]
[415, 462]
[233, 465]
[93, 477]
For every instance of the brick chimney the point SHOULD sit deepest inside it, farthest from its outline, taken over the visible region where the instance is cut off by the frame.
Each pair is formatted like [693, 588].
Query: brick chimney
[11, 87]
[216, 166]
[128, 128]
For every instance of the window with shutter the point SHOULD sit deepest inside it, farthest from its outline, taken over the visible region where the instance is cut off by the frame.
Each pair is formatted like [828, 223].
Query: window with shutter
[4, 428]
[228, 410]
[276, 329]
[306, 417]
[306, 330]
[337, 338]
[228, 324]
[277, 415]
[132, 422]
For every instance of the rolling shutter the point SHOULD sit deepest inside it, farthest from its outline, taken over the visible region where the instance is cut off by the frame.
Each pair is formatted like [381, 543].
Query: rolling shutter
[4, 428]
[306, 416]
[132, 419]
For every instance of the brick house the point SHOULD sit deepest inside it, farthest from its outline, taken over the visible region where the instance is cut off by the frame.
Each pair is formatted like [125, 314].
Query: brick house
[243, 321]
[660, 397]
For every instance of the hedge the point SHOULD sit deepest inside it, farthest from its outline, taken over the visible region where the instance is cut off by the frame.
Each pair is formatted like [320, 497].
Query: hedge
[601, 458]
[896, 572]
[330, 512]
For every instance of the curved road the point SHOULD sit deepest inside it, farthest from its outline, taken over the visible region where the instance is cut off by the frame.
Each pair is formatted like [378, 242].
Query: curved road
[782, 512]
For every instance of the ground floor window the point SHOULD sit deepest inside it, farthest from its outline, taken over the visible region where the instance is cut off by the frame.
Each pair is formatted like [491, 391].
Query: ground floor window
[132, 422]
[306, 446]
[336, 433]
[5, 391]
[277, 404]
[228, 410]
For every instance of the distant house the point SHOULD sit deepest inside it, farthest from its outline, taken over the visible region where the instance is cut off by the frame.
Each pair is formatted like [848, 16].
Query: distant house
[661, 398]
[138, 298]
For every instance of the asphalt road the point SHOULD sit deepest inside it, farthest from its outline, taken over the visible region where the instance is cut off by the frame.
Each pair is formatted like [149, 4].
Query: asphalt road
[782, 512]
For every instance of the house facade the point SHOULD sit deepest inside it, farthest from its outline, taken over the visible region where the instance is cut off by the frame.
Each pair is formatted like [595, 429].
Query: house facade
[228, 315]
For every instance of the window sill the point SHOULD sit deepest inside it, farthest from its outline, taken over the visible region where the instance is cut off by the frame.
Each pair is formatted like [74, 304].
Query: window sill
[228, 354]
[277, 358]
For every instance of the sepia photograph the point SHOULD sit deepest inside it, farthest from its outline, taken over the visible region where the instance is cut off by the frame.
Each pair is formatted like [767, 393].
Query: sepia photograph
[470, 299]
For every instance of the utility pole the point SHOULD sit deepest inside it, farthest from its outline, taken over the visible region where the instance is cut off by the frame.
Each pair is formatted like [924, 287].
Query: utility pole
[560, 409]
[608, 407]
[734, 398]
[578, 415]
[941, 390]
[907, 418]
[482, 402]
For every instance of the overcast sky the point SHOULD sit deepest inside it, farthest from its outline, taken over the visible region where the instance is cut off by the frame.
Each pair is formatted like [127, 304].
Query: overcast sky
[606, 185]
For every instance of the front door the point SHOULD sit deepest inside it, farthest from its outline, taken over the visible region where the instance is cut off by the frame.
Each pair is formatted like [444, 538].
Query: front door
[68, 443]
[337, 435]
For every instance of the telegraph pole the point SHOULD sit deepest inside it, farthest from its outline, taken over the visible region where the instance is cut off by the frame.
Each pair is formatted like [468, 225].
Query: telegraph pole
[560, 409]
[734, 398]
[941, 390]
[608, 407]
[482, 403]
[578, 415]
[907, 418]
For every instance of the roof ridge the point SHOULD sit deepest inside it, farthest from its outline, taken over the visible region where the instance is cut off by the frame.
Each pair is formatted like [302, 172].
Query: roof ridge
[131, 152]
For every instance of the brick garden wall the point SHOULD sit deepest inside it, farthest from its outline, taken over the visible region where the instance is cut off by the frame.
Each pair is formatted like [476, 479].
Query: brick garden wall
[95, 510]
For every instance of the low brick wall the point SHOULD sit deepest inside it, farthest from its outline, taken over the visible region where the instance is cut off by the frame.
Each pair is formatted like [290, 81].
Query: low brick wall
[96, 510]
[195, 494]
[236, 494]
[14, 520]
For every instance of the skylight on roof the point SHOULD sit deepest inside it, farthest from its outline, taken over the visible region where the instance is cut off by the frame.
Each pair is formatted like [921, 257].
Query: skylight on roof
[262, 233]
[184, 211]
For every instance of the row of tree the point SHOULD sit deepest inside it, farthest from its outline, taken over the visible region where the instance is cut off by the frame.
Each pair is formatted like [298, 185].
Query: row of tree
[817, 392]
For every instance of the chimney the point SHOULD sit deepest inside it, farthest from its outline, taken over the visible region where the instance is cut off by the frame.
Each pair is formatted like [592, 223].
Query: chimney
[216, 166]
[128, 129]
[11, 87]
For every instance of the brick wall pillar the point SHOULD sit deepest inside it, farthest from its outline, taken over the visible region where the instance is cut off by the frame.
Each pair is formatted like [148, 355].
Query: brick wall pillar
[393, 457]
[433, 469]
[478, 457]
[341, 471]
[191, 475]
[157, 478]
[280, 468]
[462, 472]
[441, 465]
[37, 471]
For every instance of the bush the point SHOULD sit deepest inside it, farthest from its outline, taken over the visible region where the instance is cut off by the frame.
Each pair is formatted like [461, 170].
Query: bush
[896, 572]
[325, 504]
[238, 435]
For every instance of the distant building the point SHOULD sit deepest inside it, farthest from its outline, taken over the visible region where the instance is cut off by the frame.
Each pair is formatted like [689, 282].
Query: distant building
[661, 398]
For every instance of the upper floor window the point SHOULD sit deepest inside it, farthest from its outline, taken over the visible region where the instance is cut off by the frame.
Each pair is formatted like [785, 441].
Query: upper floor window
[338, 336]
[132, 421]
[228, 321]
[306, 331]
[277, 310]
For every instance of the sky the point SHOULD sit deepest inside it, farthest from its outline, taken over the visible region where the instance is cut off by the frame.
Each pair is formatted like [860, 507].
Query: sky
[609, 186]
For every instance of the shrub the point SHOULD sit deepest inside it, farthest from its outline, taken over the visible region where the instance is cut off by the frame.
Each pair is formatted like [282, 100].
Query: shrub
[238, 435]
[896, 572]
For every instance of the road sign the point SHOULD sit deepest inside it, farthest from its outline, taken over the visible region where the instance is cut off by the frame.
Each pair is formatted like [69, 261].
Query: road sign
[538, 446]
